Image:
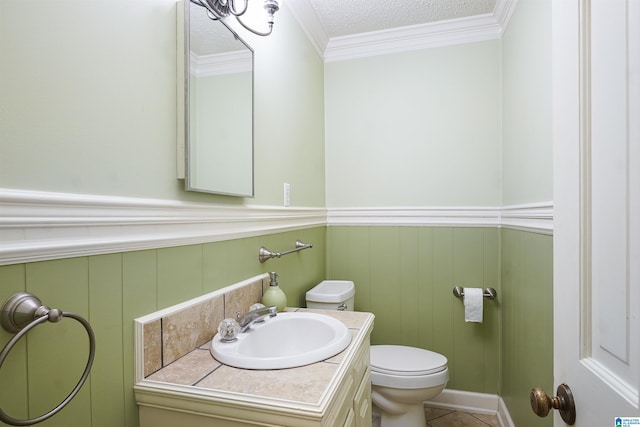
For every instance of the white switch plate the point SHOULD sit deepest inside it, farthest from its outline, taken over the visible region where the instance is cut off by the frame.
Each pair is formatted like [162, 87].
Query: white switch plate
[287, 194]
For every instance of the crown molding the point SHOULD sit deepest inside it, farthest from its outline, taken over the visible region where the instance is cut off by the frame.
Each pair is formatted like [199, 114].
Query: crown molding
[37, 226]
[403, 39]
[503, 12]
[310, 24]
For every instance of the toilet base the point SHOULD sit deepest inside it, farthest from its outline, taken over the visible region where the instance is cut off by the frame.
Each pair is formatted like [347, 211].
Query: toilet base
[402, 407]
[413, 417]
[375, 417]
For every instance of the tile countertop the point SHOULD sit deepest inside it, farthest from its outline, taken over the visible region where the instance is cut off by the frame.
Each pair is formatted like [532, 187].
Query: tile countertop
[201, 374]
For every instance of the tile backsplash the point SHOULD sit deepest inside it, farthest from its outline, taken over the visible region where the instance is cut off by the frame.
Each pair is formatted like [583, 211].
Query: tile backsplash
[171, 333]
[185, 330]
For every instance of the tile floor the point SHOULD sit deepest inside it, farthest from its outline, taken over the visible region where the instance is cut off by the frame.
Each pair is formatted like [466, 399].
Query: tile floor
[437, 417]
[449, 418]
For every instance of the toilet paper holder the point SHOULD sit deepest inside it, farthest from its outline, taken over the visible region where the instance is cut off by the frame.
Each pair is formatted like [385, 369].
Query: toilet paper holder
[491, 293]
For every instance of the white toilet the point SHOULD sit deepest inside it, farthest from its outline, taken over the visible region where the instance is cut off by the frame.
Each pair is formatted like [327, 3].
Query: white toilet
[402, 377]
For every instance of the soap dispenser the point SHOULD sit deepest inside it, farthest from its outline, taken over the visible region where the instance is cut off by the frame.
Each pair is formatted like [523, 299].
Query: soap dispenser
[274, 295]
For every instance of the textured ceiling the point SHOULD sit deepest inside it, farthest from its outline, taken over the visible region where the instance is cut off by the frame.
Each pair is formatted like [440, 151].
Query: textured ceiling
[210, 37]
[348, 17]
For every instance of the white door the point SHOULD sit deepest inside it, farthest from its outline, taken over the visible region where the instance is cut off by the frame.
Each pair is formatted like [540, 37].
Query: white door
[596, 113]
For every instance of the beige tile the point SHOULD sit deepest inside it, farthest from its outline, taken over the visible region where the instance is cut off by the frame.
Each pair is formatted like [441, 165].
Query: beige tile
[152, 347]
[456, 419]
[186, 330]
[266, 282]
[239, 300]
[433, 413]
[188, 369]
[304, 384]
[491, 420]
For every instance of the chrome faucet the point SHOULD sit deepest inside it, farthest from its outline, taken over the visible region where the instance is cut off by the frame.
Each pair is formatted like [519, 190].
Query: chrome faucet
[256, 315]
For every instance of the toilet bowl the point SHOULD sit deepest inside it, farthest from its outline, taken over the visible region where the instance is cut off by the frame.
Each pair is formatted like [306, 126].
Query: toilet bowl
[402, 377]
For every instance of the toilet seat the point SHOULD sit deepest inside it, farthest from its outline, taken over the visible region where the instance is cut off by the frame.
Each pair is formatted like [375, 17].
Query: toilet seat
[403, 360]
[399, 366]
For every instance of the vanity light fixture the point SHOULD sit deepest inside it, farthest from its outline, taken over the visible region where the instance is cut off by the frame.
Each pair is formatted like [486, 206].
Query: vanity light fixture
[218, 9]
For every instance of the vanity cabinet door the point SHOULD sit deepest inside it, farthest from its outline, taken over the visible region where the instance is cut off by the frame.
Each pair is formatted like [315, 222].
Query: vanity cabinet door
[362, 402]
[350, 421]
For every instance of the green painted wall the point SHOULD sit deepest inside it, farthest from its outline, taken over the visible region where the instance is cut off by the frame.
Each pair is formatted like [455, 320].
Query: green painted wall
[406, 275]
[527, 321]
[527, 145]
[82, 115]
[418, 128]
[88, 100]
[110, 291]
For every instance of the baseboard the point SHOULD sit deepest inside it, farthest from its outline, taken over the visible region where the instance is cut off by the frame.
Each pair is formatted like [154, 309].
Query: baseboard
[503, 415]
[479, 403]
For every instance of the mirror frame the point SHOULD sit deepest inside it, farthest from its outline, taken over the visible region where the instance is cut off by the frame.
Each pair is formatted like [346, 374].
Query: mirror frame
[184, 110]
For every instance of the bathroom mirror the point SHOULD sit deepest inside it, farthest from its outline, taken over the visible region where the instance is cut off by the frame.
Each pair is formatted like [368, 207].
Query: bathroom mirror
[218, 107]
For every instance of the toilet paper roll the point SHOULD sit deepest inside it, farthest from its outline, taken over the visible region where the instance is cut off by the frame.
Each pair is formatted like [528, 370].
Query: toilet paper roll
[473, 304]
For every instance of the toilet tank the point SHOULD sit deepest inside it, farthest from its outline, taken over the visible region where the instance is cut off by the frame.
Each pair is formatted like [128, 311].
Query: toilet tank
[332, 295]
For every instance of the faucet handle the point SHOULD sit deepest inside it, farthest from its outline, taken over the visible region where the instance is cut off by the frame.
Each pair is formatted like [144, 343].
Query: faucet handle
[229, 330]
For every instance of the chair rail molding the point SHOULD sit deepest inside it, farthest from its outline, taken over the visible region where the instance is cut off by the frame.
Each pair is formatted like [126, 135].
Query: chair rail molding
[37, 226]
[534, 217]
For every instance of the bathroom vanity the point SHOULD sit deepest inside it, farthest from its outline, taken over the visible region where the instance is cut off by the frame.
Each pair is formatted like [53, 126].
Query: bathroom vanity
[197, 390]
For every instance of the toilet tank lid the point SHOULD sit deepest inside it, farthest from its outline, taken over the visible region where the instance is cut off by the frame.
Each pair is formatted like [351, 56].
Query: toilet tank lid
[403, 360]
[333, 291]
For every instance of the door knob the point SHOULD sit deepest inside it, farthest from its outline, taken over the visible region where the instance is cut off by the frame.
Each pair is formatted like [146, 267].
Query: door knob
[541, 403]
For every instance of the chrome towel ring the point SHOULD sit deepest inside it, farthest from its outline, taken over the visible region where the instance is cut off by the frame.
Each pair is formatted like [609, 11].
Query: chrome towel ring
[23, 312]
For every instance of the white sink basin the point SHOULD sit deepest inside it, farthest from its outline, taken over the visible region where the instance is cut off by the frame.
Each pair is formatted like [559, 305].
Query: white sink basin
[287, 340]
